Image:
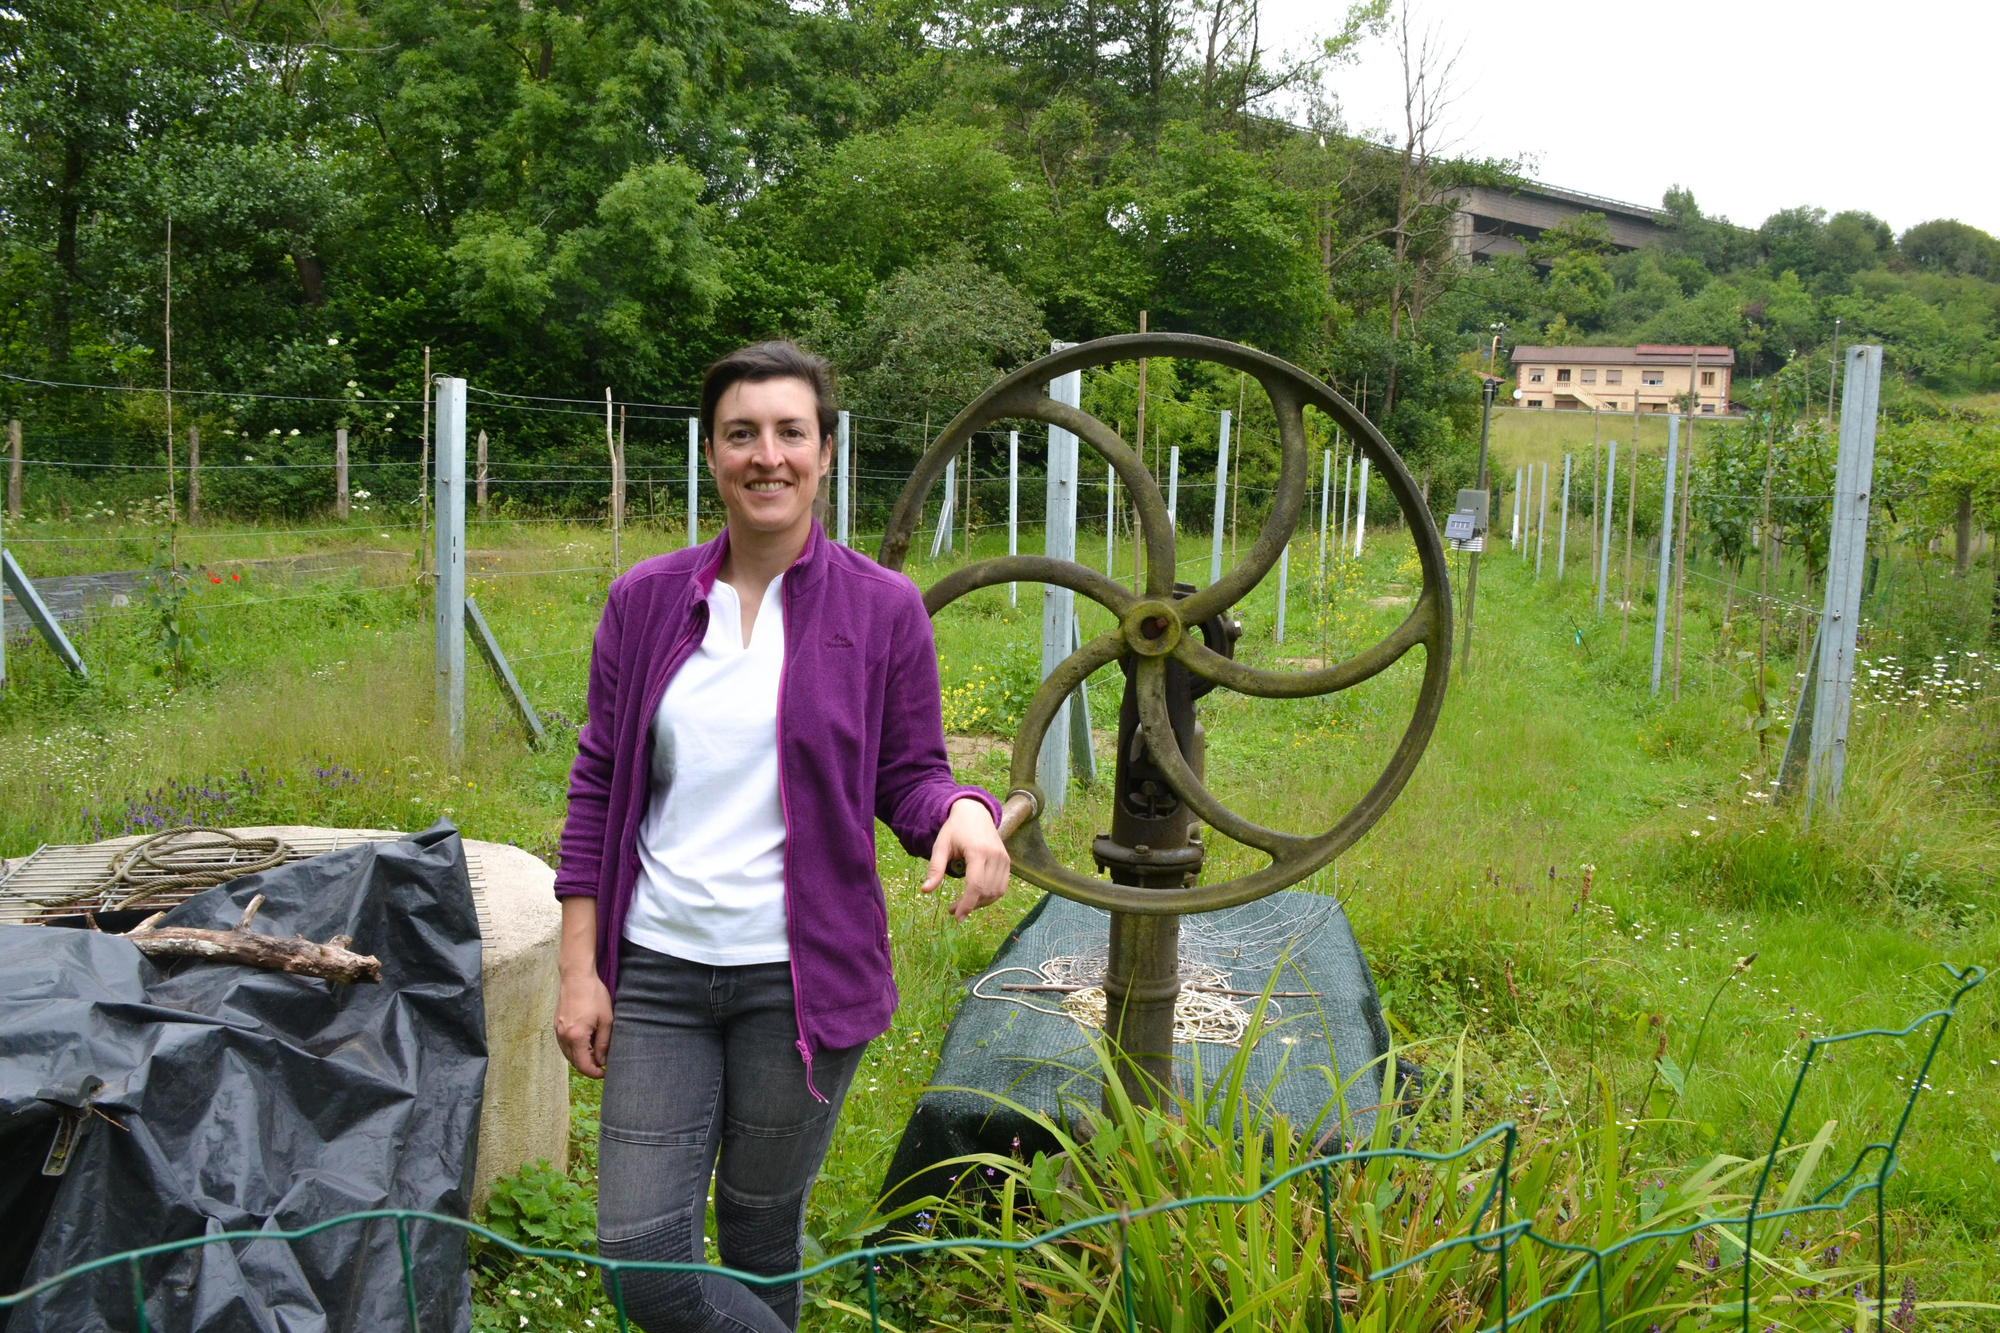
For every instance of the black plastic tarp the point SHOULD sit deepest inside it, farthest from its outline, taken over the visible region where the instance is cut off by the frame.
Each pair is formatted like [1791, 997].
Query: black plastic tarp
[1319, 1056]
[216, 1097]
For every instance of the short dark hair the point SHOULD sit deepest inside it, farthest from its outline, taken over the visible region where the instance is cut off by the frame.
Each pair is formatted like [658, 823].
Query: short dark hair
[779, 359]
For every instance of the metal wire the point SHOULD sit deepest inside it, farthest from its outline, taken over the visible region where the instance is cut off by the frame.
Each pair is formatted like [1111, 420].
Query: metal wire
[1497, 1237]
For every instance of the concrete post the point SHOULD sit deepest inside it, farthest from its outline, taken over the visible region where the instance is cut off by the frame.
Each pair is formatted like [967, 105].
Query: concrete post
[1221, 498]
[1110, 522]
[1514, 533]
[842, 446]
[1542, 523]
[450, 598]
[1013, 507]
[1346, 503]
[480, 480]
[1847, 557]
[1562, 530]
[1284, 577]
[941, 538]
[340, 492]
[1174, 486]
[1058, 604]
[1325, 488]
[1361, 508]
[1604, 544]
[1666, 547]
[694, 480]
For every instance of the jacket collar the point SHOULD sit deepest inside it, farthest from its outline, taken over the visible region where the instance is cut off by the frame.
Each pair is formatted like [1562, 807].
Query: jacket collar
[803, 572]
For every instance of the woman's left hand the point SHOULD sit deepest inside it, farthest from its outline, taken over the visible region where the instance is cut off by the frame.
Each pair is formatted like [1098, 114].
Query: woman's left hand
[969, 835]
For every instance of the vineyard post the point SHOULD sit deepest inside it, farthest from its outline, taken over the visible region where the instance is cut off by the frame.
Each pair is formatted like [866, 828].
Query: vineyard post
[1221, 499]
[1847, 551]
[843, 515]
[14, 468]
[1058, 604]
[1604, 544]
[1562, 529]
[1662, 589]
[694, 480]
[1013, 505]
[450, 591]
[1361, 508]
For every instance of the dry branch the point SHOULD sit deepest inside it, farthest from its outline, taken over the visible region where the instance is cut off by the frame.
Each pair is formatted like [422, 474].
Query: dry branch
[331, 961]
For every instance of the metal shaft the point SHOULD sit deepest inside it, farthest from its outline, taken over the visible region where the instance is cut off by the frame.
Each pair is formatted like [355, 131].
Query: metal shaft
[1152, 844]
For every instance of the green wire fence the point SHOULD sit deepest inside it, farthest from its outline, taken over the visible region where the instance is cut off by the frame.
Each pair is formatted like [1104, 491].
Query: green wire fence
[1493, 1231]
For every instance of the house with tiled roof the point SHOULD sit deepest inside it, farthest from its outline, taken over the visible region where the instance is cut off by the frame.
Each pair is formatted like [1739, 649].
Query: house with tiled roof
[1651, 377]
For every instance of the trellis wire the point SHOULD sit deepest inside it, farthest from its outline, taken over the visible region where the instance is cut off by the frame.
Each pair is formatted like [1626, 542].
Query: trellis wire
[1497, 1239]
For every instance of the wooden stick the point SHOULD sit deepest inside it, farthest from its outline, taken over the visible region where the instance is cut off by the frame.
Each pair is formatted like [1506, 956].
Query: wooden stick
[331, 961]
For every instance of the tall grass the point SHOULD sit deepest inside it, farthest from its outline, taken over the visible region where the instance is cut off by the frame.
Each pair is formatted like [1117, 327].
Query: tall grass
[1223, 1224]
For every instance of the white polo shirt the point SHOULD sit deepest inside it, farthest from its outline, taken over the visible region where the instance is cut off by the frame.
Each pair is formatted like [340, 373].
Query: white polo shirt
[712, 846]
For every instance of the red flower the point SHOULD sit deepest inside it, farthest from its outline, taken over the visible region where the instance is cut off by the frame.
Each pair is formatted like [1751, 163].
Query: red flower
[232, 578]
[213, 579]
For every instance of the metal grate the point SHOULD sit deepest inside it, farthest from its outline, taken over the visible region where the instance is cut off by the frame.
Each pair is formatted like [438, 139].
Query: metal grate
[53, 870]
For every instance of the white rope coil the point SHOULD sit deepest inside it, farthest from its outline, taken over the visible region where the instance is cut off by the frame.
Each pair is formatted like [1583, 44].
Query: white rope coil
[1201, 1013]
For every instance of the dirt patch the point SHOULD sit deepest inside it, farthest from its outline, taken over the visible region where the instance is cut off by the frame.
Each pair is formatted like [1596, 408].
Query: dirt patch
[1300, 663]
[966, 750]
[1387, 602]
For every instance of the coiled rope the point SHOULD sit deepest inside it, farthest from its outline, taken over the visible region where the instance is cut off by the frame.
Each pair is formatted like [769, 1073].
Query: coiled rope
[178, 858]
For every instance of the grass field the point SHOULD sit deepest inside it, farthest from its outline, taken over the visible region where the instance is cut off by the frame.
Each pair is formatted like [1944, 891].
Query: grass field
[1576, 868]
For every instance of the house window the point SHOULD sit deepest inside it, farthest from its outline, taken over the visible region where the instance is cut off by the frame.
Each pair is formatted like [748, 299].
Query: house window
[1614, 377]
[1562, 376]
[1590, 377]
[1708, 379]
[1535, 374]
[1708, 407]
[1534, 402]
[1653, 377]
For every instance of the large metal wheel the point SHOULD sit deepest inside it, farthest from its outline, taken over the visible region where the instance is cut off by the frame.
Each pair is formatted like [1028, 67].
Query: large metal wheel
[1152, 627]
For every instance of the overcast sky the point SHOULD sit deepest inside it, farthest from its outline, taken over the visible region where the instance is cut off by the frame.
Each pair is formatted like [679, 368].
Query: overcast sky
[1755, 106]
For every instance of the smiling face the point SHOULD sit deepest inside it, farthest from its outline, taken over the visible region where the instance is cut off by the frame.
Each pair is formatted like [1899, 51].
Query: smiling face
[767, 455]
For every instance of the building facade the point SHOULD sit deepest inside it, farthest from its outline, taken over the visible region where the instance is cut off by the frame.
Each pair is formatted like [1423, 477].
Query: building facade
[1648, 378]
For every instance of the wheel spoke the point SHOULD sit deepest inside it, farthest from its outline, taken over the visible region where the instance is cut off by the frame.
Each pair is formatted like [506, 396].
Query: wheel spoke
[1158, 728]
[1226, 591]
[1057, 686]
[1154, 525]
[1028, 569]
[1419, 627]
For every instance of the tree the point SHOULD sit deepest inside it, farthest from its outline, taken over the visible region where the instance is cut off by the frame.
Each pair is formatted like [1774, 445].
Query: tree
[930, 339]
[1226, 250]
[1947, 245]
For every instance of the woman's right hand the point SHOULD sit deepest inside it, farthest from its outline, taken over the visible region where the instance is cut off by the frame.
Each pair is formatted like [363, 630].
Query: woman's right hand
[583, 1006]
[583, 1022]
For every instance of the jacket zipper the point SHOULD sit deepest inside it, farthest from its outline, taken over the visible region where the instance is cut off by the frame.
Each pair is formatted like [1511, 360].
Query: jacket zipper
[785, 877]
[699, 617]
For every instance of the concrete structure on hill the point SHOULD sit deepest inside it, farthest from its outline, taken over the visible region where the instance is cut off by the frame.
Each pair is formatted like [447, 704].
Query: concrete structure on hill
[1492, 221]
[1646, 378]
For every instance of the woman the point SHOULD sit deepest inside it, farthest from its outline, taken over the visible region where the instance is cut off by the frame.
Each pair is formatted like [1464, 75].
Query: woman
[755, 703]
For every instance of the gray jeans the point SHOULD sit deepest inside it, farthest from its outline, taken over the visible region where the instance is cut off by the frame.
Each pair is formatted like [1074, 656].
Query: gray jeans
[704, 1079]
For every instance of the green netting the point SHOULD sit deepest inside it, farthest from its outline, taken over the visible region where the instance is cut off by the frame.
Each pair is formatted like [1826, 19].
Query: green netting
[1492, 1232]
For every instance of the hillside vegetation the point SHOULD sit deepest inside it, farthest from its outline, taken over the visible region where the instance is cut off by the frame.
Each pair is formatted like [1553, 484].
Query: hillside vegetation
[554, 198]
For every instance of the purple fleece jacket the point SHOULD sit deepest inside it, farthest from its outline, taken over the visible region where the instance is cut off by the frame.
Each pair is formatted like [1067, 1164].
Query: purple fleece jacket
[860, 736]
